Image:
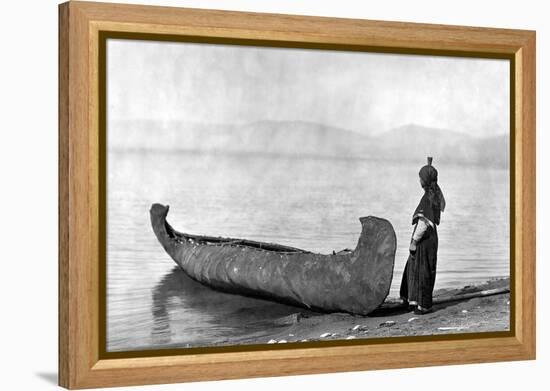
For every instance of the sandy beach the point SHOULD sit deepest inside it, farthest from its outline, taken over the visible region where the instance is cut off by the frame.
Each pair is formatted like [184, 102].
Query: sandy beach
[482, 314]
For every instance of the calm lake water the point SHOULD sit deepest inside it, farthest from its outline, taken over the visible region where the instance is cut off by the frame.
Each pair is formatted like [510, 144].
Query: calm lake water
[308, 203]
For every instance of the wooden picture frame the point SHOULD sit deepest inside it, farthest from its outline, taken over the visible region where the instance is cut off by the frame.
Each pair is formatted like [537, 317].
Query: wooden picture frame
[82, 29]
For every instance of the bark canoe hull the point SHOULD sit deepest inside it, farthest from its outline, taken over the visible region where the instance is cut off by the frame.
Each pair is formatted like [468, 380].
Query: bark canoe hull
[354, 281]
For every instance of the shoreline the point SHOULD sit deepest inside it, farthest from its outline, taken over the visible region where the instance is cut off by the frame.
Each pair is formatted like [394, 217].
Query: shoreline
[474, 315]
[295, 324]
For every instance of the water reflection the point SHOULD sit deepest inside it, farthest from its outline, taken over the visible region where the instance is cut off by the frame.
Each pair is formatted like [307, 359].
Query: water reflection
[229, 318]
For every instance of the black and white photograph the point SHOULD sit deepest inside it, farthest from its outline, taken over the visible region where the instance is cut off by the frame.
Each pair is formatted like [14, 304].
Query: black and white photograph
[269, 195]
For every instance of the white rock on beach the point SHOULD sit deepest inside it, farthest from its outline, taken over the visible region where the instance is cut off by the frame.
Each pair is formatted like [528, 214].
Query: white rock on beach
[272, 341]
[411, 319]
[350, 337]
[464, 311]
[452, 328]
[324, 335]
[282, 341]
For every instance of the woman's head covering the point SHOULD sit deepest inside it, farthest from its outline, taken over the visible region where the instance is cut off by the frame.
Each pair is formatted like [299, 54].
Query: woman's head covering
[428, 175]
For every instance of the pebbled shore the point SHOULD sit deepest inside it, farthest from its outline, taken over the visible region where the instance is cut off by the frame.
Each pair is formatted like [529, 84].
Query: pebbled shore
[484, 314]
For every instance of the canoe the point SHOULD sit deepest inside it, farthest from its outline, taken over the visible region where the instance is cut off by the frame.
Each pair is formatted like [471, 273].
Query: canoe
[354, 281]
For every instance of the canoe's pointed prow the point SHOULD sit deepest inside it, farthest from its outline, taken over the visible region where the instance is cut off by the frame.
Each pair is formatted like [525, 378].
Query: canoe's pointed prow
[159, 210]
[158, 218]
[163, 231]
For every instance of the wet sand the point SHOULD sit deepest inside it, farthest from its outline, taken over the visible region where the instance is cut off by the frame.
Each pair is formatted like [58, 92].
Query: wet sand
[483, 314]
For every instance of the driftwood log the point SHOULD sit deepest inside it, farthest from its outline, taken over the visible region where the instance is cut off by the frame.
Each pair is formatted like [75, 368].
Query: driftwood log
[399, 304]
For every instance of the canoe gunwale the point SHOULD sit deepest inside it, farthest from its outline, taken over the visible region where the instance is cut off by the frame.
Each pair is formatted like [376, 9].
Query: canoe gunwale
[221, 241]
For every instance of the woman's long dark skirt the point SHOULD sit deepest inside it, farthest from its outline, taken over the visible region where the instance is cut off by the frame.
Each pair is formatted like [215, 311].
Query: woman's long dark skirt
[418, 280]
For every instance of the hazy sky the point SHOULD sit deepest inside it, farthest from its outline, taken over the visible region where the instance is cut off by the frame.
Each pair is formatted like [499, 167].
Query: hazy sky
[364, 92]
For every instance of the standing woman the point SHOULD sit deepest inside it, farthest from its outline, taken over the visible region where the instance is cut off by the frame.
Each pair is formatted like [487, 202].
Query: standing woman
[419, 275]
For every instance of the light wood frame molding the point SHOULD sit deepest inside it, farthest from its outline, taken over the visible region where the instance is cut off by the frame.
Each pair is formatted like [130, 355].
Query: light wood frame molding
[81, 364]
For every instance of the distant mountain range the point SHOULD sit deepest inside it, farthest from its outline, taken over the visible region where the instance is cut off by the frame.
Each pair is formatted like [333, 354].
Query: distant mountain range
[298, 138]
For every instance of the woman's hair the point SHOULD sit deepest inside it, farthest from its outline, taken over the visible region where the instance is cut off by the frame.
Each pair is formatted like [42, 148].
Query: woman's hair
[428, 177]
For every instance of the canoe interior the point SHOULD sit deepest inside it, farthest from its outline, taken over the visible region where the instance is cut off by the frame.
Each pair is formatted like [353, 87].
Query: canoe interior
[212, 240]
